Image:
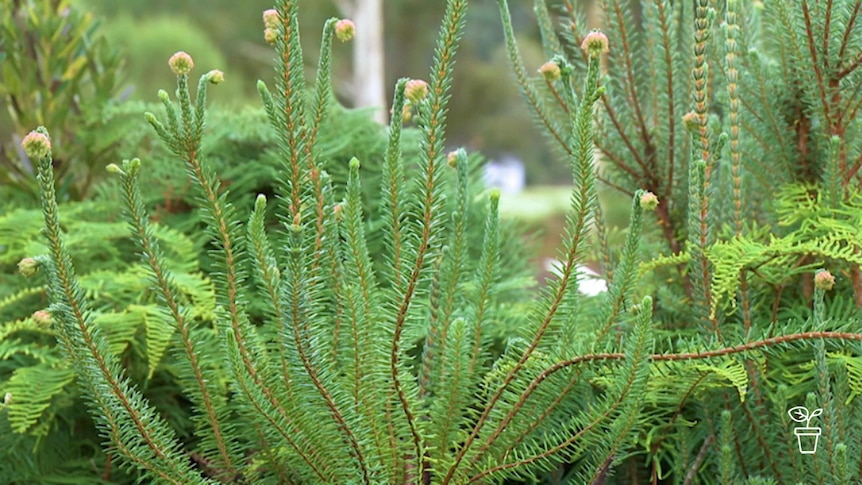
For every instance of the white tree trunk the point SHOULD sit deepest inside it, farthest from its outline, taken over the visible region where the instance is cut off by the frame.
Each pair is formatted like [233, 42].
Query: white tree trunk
[368, 86]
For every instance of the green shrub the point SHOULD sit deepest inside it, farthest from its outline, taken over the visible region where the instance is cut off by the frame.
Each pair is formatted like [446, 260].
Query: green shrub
[57, 70]
[332, 365]
[373, 362]
[742, 117]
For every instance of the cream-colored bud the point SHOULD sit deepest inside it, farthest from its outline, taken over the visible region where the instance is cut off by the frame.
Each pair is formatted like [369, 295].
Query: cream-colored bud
[691, 121]
[181, 63]
[28, 267]
[345, 30]
[649, 201]
[550, 71]
[270, 18]
[416, 90]
[215, 76]
[36, 145]
[42, 318]
[595, 44]
[824, 280]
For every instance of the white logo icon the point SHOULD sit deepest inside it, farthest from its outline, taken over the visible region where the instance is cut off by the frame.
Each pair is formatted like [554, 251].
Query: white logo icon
[806, 436]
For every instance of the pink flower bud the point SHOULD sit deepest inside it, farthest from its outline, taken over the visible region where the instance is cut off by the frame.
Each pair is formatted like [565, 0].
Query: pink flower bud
[41, 318]
[181, 63]
[691, 121]
[36, 145]
[595, 44]
[344, 30]
[550, 71]
[270, 19]
[649, 201]
[824, 280]
[416, 90]
[270, 35]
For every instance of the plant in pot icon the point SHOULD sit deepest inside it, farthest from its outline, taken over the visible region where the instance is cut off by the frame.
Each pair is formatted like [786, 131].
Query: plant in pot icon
[806, 436]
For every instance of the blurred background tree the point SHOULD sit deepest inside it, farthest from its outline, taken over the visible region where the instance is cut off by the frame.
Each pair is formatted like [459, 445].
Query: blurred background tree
[368, 85]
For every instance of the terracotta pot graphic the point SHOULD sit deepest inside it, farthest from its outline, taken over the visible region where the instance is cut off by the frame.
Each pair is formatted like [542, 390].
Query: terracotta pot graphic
[807, 436]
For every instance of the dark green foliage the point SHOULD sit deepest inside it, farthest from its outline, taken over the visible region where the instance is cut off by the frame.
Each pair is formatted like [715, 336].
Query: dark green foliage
[243, 150]
[327, 389]
[742, 117]
[358, 297]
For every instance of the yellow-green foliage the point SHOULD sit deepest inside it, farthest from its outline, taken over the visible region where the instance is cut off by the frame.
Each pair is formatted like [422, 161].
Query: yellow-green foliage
[125, 310]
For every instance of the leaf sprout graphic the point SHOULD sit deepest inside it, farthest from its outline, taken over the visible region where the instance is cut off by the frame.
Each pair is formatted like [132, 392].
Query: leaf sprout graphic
[800, 414]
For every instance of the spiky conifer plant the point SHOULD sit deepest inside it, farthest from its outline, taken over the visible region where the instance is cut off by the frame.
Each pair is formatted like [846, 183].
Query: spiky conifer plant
[326, 391]
[742, 117]
[365, 376]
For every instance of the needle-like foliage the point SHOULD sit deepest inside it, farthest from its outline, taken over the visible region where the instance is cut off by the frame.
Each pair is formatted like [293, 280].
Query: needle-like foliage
[740, 118]
[381, 368]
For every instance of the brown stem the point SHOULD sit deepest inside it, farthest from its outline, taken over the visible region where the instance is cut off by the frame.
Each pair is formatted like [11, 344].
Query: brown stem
[856, 282]
[106, 476]
[698, 460]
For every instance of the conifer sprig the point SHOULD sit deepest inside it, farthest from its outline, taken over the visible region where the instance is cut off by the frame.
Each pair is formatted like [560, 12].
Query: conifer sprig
[290, 110]
[223, 226]
[433, 112]
[392, 182]
[134, 427]
[583, 199]
[203, 385]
